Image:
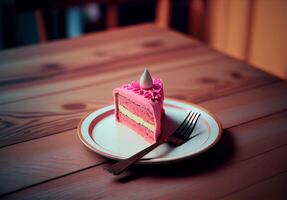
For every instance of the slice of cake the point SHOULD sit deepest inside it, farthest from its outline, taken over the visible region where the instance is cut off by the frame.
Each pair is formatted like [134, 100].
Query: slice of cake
[139, 105]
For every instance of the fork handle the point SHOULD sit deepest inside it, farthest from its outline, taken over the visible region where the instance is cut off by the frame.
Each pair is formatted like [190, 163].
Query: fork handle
[122, 165]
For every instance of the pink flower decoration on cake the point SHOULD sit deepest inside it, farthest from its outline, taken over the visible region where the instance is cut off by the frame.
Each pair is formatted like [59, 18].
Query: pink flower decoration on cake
[153, 94]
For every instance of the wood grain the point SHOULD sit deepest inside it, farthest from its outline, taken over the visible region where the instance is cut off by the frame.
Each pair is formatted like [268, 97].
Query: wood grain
[98, 71]
[24, 126]
[88, 40]
[54, 65]
[204, 60]
[246, 106]
[43, 159]
[273, 188]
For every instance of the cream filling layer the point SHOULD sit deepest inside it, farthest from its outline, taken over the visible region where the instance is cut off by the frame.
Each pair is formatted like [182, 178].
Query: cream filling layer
[136, 118]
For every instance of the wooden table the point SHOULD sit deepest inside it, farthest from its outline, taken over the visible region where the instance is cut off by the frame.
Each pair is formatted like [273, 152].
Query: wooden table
[46, 89]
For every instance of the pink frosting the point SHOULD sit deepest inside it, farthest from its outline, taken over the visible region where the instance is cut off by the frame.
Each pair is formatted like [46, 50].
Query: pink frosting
[154, 94]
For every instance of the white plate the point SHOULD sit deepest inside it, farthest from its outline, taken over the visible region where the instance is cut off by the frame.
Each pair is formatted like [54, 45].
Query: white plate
[101, 133]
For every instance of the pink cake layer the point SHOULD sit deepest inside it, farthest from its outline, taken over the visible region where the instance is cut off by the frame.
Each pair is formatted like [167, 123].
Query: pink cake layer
[151, 99]
[136, 109]
[141, 130]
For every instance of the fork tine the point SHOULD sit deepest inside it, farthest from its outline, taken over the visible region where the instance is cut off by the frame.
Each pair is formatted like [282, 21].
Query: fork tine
[193, 123]
[188, 125]
[184, 124]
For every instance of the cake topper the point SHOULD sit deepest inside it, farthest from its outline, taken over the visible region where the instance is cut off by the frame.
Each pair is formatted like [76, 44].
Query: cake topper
[146, 80]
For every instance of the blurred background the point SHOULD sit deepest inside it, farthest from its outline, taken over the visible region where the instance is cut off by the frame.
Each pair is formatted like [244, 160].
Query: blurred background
[254, 31]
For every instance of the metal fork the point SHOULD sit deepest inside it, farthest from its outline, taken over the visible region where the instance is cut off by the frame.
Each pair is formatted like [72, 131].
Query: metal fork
[178, 137]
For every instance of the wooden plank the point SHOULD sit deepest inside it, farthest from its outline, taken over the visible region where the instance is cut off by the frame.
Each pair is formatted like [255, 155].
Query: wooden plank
[55, 65]
[196, 18]
[39, 15]
[273, 188]
[88, 40]
[238, 28]
[163, 13]
[201, 57]
[228, 179]
[30, 125]
[63, 153]
[249, 105]
[267, 36]
[218, 20]
[193, 179]
[66, 110]
[99, 70]
[257, 137]
[43, 159]
[112, 15]
[229, 26]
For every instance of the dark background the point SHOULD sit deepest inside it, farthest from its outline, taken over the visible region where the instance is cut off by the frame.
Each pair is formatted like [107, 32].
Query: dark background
[18, 25]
